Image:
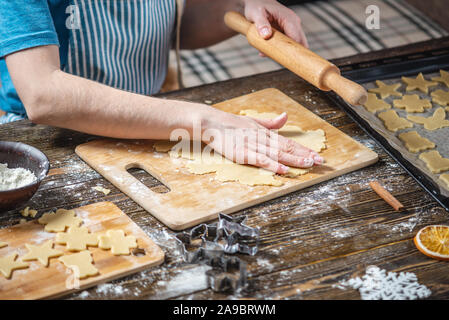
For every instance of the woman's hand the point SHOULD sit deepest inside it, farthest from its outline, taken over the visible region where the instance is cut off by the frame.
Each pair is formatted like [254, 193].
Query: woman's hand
[246, 140]
[268, 13]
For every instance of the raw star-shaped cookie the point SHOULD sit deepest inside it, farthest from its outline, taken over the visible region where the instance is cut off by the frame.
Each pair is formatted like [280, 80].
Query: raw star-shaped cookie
[57, 222]
[445, 179]
[386, 90]
[9, 263]
[80, 263]
[117, 242]
[41, 253]
[437, 121]
[443, 78]
[374, 104]
[412, 103]
[418, 83]
[414, 142]
[434, 161]
[440, 97]
[3, 244]
[77, 238]
[393, 122]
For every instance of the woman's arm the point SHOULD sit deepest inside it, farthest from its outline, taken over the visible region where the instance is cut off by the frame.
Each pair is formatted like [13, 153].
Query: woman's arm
[203, 24]
[59, 99]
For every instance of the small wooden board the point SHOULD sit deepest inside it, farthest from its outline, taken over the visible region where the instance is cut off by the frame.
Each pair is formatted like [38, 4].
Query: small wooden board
[38, 282]
[194, 199]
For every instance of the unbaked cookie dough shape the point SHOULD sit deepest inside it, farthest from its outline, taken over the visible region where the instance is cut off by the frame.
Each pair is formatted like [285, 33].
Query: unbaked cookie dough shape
[412, 103]
[418, 83]
[441, 97]
[374, 104]
[80, 263]
[445, 178]
[59, 220]
[386, 90]
[436, 121]
[77, 239]
[117, 242]
[444, 78]
[41, 253]
[414, 142]
[434, 161]
[9, 263]
[393, 121]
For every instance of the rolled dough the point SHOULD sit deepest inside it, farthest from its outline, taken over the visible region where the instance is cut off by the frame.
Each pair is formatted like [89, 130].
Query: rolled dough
[386, 90]
[41, 253]
[80, 263]
[440, 97]
[374, 104]
[418, 83]
[415, 143]
[444, 78]
[445, 179]
[117, 242]
[57, 222]
[393, 122]
[77, 238]
[412, 103]
[207, 161]
[9, 263]
[436, 121]
[434, 161]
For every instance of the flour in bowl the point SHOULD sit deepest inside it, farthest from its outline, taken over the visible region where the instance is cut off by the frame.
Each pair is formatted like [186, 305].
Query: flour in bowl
[14, 178]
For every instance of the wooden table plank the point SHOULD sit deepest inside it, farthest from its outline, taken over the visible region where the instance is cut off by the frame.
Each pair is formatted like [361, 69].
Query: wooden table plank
[310, 239]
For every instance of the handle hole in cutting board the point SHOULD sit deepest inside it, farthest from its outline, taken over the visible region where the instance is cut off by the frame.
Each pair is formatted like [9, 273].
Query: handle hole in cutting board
[148, 180]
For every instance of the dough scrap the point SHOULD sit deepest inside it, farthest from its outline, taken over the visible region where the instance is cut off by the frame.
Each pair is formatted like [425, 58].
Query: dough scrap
[3, 244]
[386, 90]
[414, 142]
[57, 222]
[117, 242]
[41, 253]
[77, 238]
[444, 78]
[418, 83]
[28, 212]
[412, 103]
[440, 97]
[436, 121]
[393, 122]
[101, 189]
[9, 263]
[445, 178]
[80, 263]
[434, 161]
[207, 161]
[374, 104]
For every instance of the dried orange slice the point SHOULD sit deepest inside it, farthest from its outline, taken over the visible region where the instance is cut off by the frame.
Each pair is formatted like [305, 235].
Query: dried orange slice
[433, 241]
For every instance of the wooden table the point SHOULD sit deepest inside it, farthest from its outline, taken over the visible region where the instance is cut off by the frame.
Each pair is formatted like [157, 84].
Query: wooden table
[310, 239]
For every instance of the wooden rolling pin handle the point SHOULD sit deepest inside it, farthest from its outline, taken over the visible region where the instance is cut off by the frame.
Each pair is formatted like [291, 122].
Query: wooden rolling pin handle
[298, 59]
[350, 91]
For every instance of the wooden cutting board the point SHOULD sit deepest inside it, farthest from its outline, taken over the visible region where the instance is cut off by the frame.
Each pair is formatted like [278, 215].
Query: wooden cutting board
[194, 199]
[38, 282]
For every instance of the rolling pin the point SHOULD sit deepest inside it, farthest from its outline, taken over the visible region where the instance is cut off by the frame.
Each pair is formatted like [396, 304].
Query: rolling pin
[298, 59]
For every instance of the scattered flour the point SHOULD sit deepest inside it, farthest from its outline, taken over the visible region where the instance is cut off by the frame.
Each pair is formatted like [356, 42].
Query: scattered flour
[377, 284]
[14, 178]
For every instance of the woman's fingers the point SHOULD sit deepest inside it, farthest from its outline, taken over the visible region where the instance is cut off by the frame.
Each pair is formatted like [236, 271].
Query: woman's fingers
[275, 123]
[282, 157]
[262, 24]
[262, 161]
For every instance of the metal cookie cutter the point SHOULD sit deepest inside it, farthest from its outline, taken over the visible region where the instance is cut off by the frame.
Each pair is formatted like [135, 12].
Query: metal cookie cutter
[209, 243]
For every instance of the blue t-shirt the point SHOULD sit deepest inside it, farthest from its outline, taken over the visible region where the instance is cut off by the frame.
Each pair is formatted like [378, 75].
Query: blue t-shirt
[124, 44]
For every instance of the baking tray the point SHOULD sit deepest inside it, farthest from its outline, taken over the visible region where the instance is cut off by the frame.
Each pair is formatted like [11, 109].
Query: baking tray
[386, 69]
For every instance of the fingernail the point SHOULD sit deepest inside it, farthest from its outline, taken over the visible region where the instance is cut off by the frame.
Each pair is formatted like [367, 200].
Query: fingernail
[308, 162]
[284, 168]
[318, 159]
[265, 31]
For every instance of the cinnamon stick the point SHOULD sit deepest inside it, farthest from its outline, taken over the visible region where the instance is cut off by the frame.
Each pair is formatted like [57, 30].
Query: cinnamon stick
[384, 194]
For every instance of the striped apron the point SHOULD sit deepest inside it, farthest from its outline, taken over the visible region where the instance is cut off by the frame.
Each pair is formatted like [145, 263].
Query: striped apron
[123, 43]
